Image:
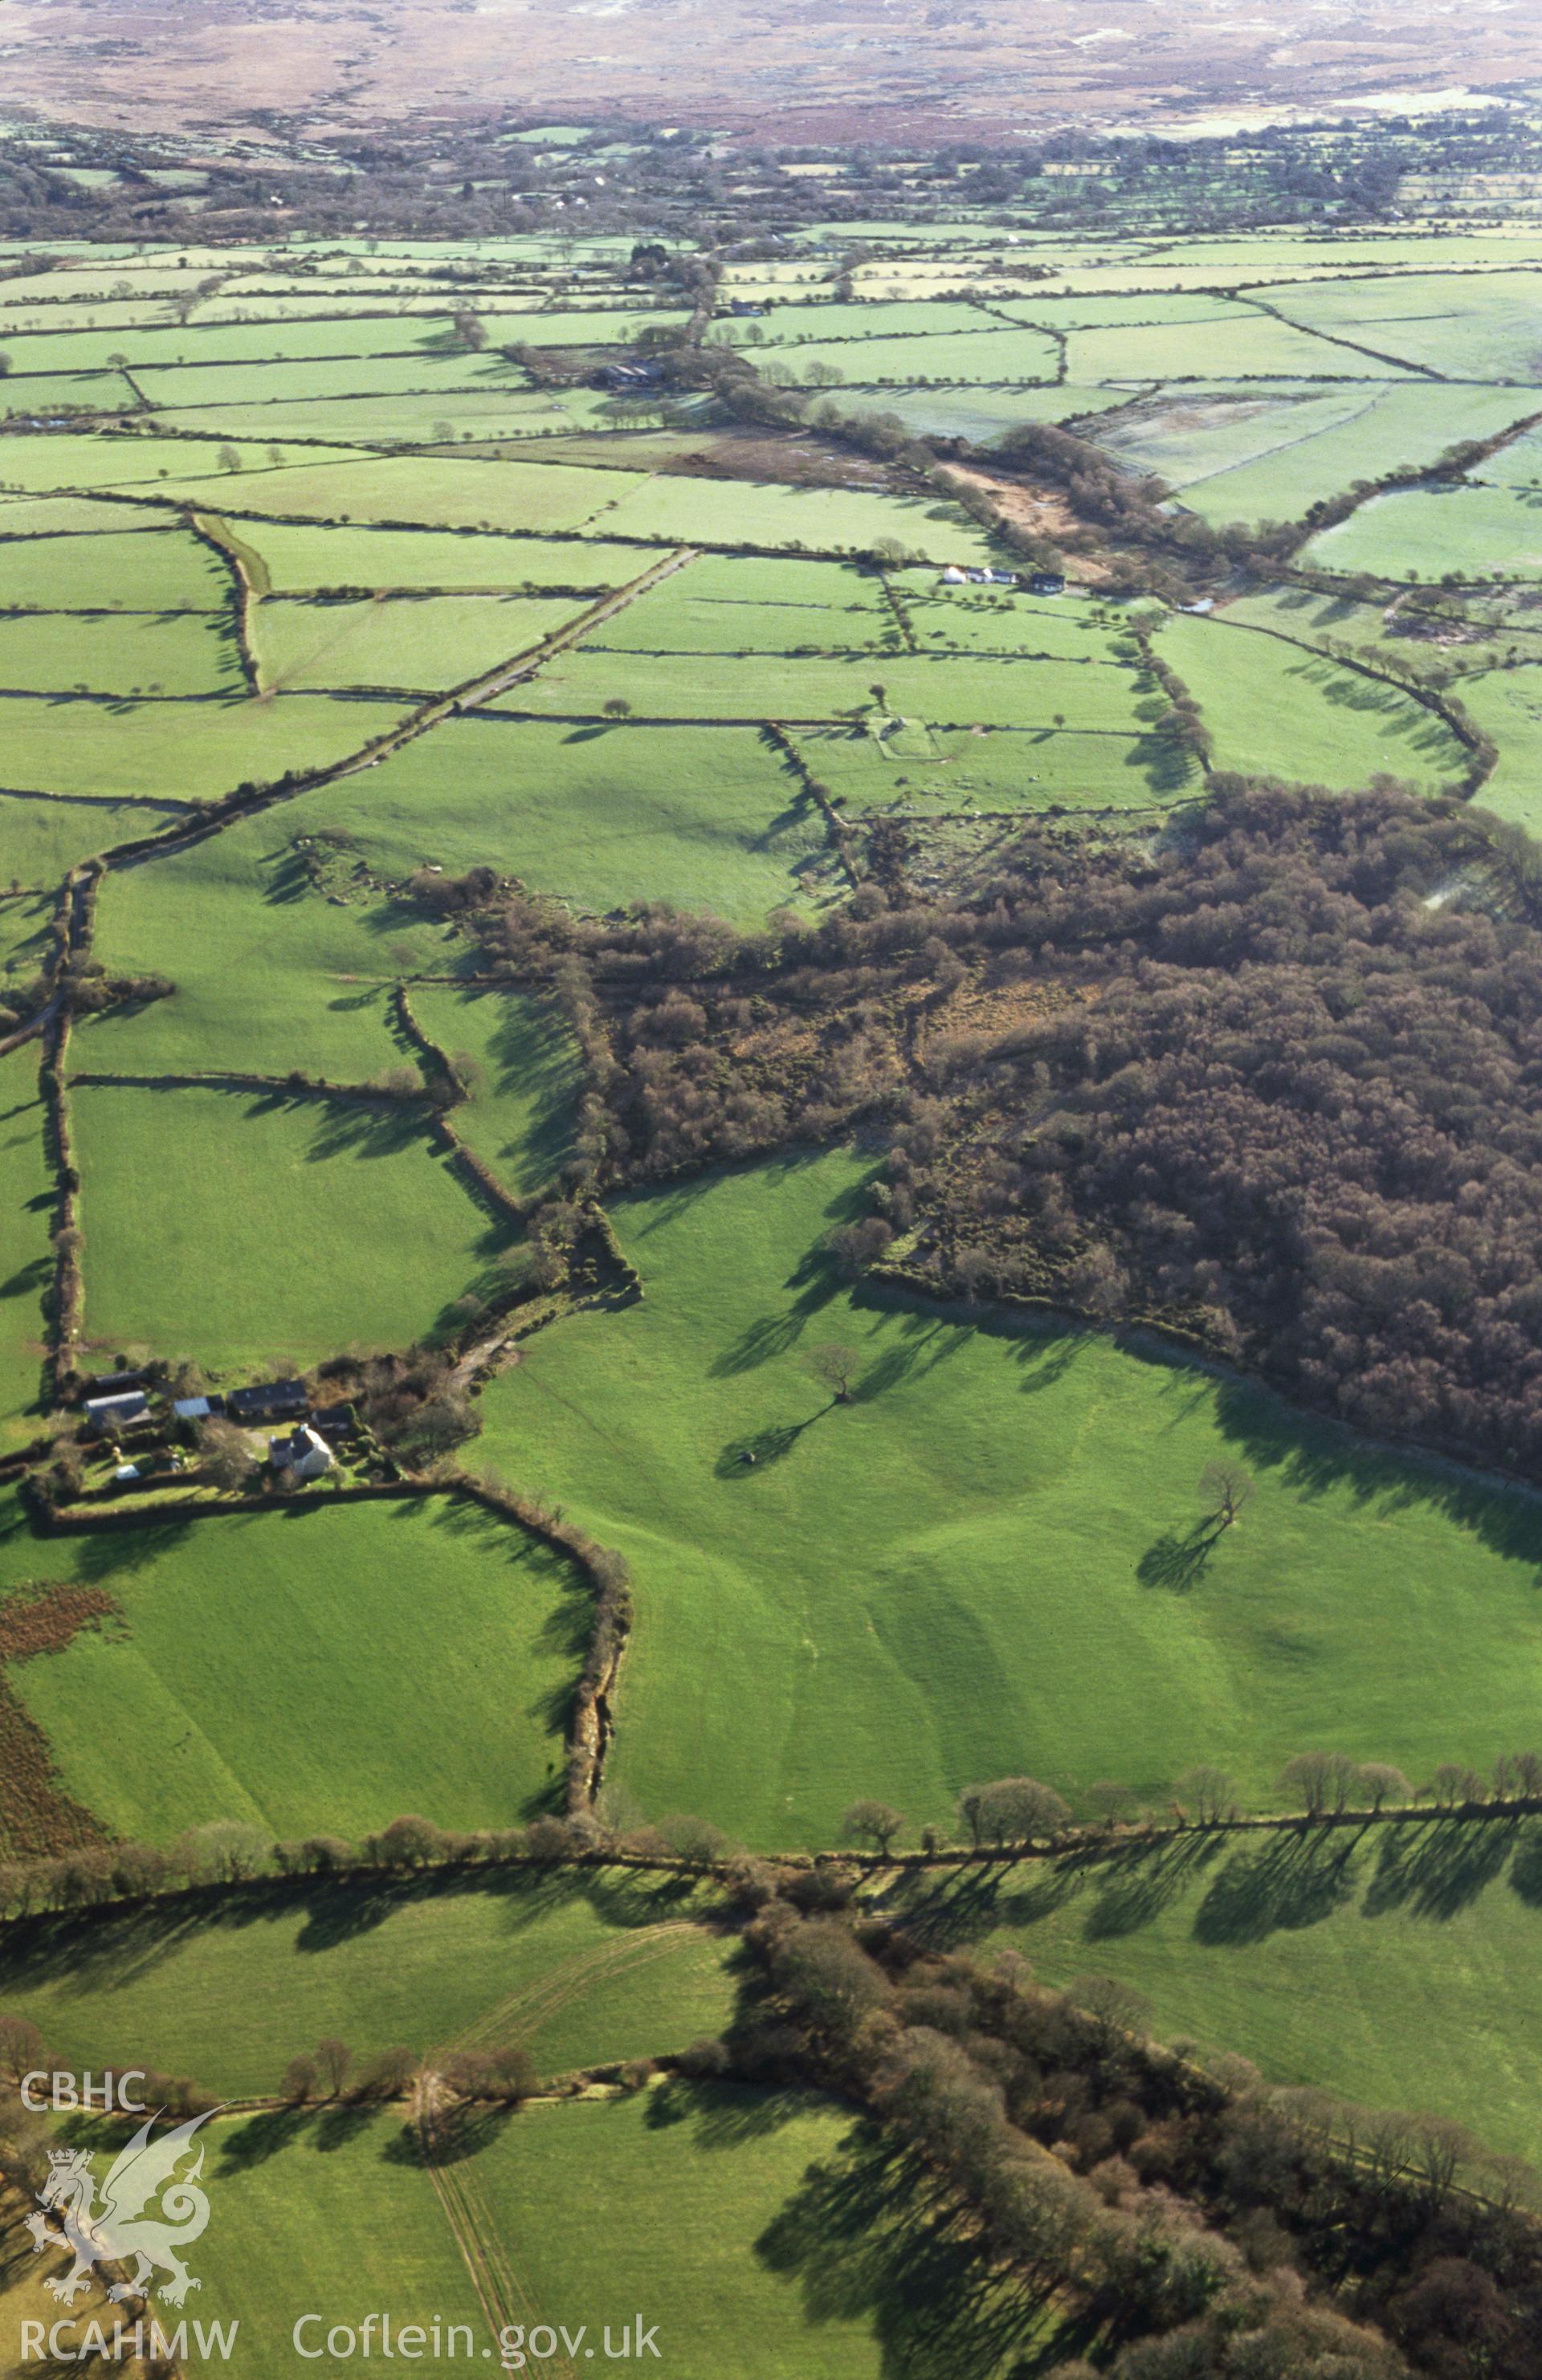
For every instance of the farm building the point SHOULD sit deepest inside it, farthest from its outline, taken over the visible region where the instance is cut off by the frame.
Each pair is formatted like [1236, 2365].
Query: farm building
[269, 1400]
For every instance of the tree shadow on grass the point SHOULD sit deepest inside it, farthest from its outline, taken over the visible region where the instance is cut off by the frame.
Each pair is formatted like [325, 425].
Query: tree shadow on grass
[1136, 1884]
[1282, 1886]
[743, 1456]
[870, 2237]
[1177, 1564]
[1438, 1871]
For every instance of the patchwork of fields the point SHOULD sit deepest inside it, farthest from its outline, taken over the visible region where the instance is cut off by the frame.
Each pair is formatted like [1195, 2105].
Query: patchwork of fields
[329, 580]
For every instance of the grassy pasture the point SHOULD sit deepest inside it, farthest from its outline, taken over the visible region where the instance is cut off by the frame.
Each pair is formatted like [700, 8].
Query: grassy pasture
[1001, 768]
[255, 386]
[26, 1259]
[167, 572]
[242, 1229]
[983, 414]
[597, 326]
[794, 2245]
[1464, 326]
[417, 643]
[180, 751]
[577, 1962]
[1280, 710]
[791, 323]
[59, 652]
[28, 516]
[719, 604]
[318, 1670]
[825, 520]
[42, 836]
[66, 393]
[945, 689]
[707, 817]
[1242, 342]
[968, 1572]
[418, 491]
[325, 2214]
[257, 347]
[519, 1063]
[1404, 427]
[75, 460]
[435, 418]
[1474, 530]
[1509, 704]
[269, 973]
[1398, 1966]
[980, 358]
[969, 620]
[299, 558]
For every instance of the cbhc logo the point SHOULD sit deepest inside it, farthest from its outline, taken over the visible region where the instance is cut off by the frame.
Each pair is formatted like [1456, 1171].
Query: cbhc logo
[80, 2091]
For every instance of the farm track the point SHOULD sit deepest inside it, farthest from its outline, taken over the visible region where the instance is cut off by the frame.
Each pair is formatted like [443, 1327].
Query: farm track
[524, 2010]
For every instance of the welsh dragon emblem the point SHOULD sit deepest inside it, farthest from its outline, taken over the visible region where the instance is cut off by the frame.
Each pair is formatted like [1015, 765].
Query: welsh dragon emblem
[120, 2231]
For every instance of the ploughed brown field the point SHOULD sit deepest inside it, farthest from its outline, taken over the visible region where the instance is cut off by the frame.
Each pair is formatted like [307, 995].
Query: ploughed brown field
[784, 68]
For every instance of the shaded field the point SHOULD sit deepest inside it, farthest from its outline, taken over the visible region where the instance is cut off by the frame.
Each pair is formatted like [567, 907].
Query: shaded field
[314, 1670]
[995, 1559]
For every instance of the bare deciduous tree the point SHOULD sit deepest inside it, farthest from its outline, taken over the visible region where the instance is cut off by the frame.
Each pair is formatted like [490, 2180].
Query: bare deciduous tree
[832, 1363]
[1224, 1488]
[872, 1822]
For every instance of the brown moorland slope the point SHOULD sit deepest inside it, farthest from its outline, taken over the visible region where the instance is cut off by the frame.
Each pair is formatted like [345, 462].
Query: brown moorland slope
[784, 68]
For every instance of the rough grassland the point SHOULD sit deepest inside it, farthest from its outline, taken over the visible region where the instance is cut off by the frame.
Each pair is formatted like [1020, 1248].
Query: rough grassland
[26, 1259]
[825, 520]
[318, 1671]
[1398, 1966]
[434, 491]
[244, 1230]
[1001, 769]
[574, 1967]
[523, 1073]
[1276, 710]
[976, 1567]
[708, 816]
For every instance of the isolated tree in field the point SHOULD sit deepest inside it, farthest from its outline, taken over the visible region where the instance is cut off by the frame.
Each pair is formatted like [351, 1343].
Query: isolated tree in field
[832, 1365]
[1210, 1792]
[334, 2060]
[872, 1822]
[1011, 1810]
[1224, 1489]
[229, 458]
[618, 707]
[6, 365]
[1379, 1781]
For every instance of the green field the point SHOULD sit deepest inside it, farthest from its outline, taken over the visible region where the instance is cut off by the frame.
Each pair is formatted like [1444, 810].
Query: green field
[602, 814]
[581, 1969]
[959, 1575]
[1277, 709]
[59, 652]
[421, 644]
[166, 572]
[270, 972]
[242, 1229]
[1468, 529]
[299, 559]
[946, 690]
[1397, 1965]
[521, 1067]
[26, 1259]
[998, 769]
[156, 751]
[314, 1671]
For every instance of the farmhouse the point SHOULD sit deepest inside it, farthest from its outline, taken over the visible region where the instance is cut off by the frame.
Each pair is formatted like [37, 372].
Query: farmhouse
[1046, 582]
[304, 1454]
[269, 1400]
